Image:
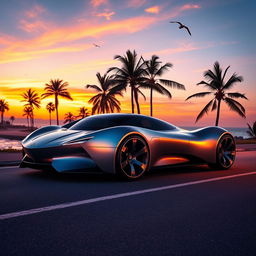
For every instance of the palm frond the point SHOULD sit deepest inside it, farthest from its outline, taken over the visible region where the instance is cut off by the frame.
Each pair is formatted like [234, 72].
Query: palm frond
[172, 84]
[252, 130]
[93, 86]
[204, 110]
[209, 85]
[232, 80]
[237, 103]
[66, 95]
[236, 95]
[214, 105]
[225, 72]
[209, 75]
[235, 106]
[163, 69]
[148, 85]
[142, 94]
[46, 94]
[198, 95]
[118, 89]
[164, 91]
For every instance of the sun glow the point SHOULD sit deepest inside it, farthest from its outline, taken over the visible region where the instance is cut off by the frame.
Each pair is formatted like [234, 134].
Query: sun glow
[41, 44]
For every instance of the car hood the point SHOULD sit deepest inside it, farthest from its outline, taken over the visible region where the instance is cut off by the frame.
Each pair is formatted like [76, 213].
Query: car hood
[54, 138]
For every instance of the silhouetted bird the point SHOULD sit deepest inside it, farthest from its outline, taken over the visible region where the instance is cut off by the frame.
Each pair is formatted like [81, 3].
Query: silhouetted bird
[181, 26]
[96, 45]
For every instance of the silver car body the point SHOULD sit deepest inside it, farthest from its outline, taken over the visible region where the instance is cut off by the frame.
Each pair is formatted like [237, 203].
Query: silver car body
[69, 150]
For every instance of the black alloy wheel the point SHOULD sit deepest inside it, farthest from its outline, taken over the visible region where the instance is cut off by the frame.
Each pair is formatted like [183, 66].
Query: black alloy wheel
[226, 152]
[132, 157]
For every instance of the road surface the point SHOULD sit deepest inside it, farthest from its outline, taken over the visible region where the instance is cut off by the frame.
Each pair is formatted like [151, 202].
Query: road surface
[172, 211]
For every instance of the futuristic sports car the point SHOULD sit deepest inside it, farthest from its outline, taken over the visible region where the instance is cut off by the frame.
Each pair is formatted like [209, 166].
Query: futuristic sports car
[125, 144]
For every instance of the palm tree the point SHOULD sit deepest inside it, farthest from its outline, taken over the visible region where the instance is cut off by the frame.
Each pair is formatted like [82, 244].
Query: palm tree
[105, 100]
[218, 87]
[57, 88]
[12, 118]
[33, 100]
[83, 112]
[154, 69]
[4, 106]
[69, 117]
[50, 108]
[252, 130]
[130, 74]
[27, 113]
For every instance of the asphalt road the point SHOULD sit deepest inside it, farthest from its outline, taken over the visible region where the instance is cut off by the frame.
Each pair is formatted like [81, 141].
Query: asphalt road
[193, 211]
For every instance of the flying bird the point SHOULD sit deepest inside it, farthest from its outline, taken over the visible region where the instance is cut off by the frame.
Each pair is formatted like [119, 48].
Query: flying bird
[181, 26]
[96, 45]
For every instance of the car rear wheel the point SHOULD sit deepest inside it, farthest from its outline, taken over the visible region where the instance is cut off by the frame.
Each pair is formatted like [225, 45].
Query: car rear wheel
[226, 153]
[132, 157]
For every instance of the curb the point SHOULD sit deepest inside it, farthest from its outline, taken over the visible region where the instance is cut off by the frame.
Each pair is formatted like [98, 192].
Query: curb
[9, 163]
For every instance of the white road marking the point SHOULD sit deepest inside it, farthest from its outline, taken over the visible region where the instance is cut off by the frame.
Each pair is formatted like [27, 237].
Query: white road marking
[115, 196]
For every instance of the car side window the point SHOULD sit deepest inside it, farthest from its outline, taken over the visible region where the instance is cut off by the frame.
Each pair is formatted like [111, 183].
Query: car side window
[101, 122]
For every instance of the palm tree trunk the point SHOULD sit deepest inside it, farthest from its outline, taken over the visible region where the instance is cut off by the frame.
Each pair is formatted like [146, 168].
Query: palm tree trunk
[218, 114]
[32, 119]
[28, 122]
[2, 117]
[137, 104]
[50, 118]
[132, 102]
[138, 107]
[151, 102]
[136, 98]
[57, 108]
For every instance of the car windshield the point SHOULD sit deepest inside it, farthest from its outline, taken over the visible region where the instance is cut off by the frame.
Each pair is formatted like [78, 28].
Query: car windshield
[106, 121]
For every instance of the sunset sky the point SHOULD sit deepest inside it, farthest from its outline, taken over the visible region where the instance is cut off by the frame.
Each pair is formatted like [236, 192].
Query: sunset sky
[43, 40]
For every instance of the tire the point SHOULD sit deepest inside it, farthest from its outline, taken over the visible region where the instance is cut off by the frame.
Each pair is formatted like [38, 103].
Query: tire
[225, 153]
[132, 157]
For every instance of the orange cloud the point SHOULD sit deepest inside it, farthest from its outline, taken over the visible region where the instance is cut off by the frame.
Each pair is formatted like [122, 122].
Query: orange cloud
[106, 15]
[20, 50]
[6, 39]
[190, 6]
[31, 23]
[11, 55]
[96, 3]
[180, 9]
[182, 48]
[53, 37]
[153, 9]
[36, 26]
[35, 11]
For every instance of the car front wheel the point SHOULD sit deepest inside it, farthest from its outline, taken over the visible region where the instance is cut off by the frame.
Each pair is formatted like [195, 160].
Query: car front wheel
[132, 157]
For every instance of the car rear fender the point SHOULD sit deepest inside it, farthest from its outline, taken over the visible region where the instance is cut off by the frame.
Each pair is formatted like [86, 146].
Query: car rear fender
[203, 142]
